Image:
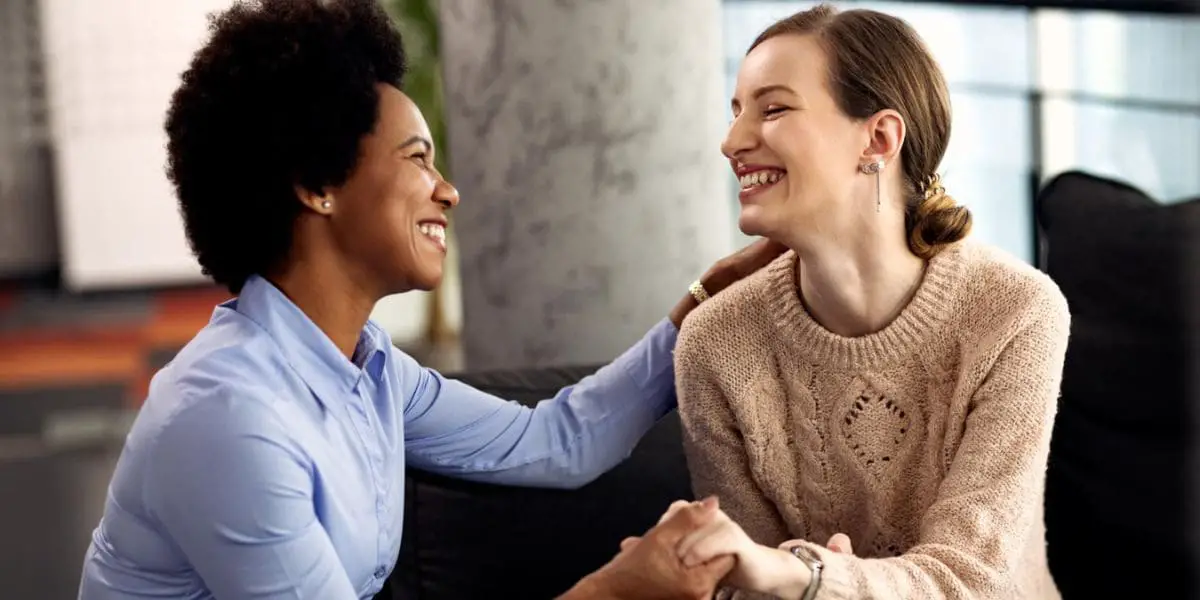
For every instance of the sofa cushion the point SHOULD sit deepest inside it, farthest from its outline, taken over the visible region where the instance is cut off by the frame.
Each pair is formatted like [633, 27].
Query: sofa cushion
[470, 540]
[1120, 473]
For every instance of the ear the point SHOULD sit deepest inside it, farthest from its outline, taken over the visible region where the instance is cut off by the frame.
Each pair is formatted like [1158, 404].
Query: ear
[885, 134]
[320, 203]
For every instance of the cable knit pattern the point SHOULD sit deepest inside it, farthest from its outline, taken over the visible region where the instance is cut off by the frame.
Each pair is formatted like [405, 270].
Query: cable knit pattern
[925, 442]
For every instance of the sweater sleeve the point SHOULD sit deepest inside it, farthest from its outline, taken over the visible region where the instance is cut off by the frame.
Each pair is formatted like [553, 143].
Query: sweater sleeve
[716, 454]
[973, 535]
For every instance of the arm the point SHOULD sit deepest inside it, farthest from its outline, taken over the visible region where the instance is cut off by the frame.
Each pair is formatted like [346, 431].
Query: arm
[716, 453]
[973, 535]
[571, 439]
[717, 458]
[567, 441]
[235, 495]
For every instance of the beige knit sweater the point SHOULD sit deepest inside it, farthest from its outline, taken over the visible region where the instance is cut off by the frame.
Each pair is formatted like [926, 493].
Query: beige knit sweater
[925, 442]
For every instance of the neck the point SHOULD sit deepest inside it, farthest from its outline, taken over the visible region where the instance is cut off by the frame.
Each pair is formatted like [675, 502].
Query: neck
[330, 296]
[855, 289]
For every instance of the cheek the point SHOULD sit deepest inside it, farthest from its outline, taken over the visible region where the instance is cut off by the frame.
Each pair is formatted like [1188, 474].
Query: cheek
[408, 197]
[813, 153]
[792, 142]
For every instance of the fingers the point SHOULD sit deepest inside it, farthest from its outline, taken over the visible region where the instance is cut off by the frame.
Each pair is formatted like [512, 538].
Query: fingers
[629, 542]
[717, 568]
[672, 509]
[840, 542]
[684, 520]
[764, 251]
[721, 537]
[769, 248]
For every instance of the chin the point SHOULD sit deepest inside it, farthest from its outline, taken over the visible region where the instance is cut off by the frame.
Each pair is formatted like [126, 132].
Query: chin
[751, 222]
[427, 281]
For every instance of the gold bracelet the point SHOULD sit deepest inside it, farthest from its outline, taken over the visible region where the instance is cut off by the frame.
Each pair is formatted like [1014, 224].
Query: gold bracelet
[698, 292]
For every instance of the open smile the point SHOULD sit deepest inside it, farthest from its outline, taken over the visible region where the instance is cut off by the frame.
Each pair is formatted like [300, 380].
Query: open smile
[435, 232]
[756, 181]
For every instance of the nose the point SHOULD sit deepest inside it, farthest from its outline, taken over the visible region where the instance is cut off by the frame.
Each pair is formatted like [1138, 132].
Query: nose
[740, 139]
[445, 193]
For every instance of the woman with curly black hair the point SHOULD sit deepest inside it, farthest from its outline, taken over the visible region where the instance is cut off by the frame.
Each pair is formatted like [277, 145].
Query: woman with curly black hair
[268, 459]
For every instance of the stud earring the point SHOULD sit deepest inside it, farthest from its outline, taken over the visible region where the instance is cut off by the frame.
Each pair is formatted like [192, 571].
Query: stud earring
[875, 168]
[872, 168]
[326, 204]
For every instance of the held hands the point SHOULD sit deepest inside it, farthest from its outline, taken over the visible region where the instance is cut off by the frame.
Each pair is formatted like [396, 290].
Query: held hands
[758, 568]
[649, 568]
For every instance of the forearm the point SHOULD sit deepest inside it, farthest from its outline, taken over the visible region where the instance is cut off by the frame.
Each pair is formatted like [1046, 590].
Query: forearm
[718, 461]
[792, 577]
[591, 587]
[567, 441]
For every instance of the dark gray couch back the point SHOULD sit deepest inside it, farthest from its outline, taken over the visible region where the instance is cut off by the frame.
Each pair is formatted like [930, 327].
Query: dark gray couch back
[1122, 470]
[467, 540]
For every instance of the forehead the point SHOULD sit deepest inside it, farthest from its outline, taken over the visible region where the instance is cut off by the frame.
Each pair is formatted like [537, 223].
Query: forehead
[796, 61]
[399, 115]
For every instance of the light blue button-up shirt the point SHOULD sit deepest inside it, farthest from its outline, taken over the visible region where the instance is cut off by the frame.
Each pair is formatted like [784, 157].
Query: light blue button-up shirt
[264, 464]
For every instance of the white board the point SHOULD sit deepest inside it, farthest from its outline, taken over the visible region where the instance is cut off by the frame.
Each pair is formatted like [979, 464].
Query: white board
[111, 68]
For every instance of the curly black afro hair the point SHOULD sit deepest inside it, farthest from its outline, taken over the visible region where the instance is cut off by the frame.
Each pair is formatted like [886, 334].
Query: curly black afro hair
[280, 96]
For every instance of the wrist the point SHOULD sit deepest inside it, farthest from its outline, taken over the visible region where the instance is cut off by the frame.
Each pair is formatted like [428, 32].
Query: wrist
[792, 577]
[593, 587]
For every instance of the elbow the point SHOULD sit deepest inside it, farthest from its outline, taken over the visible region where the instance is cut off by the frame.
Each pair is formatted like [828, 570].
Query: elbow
[580, 476]
[577, 482]
[584, 467]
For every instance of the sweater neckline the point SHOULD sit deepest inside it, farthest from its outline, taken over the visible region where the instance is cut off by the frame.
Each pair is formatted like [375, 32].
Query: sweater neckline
[928, 307]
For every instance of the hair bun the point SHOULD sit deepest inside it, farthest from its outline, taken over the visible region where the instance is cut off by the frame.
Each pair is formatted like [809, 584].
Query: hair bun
[937, 221]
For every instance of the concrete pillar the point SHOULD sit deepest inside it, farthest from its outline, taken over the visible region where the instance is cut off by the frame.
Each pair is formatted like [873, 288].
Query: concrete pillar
[584, 139]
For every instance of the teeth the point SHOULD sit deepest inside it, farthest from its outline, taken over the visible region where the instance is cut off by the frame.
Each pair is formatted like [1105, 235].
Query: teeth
[435, 231]
[760, 178]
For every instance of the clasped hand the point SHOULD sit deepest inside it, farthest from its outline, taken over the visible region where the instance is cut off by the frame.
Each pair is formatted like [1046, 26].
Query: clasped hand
[755, 567]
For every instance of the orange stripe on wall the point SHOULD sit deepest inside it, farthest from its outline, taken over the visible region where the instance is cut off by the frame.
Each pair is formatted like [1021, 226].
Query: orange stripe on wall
[179, 315]
[69, 364]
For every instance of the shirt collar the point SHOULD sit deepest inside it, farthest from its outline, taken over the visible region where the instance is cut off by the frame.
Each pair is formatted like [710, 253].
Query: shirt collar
[310, 352]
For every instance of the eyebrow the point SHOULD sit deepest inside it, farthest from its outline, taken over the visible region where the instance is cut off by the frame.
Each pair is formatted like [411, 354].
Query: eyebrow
[416, 139]
[764, 90]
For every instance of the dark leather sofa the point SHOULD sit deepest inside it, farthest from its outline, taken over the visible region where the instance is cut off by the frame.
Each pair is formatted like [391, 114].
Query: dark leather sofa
[466, 540]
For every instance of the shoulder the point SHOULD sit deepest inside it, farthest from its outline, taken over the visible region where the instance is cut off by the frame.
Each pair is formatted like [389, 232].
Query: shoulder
[227, 381]
[735, 323]
[1001, 294]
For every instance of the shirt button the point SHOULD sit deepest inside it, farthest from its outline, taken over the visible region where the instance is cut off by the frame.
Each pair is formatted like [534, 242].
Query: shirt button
[380, 573]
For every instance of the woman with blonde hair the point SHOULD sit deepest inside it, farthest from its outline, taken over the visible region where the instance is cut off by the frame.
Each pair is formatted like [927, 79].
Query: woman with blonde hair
[886, 378]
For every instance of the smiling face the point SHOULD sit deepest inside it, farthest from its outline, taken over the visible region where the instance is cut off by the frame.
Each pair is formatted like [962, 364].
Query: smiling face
[796, 154]
[390, 214]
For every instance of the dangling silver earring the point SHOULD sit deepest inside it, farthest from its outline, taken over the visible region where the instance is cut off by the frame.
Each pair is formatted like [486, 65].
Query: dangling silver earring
[875, 168]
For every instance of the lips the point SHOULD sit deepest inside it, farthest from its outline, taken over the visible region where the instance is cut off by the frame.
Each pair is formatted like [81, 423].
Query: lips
[755, 179]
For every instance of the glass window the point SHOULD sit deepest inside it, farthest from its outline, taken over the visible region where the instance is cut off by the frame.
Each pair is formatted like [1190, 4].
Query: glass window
[1155, 150]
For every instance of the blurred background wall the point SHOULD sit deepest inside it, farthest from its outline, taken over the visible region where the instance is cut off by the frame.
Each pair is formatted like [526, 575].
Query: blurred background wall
[618, 198]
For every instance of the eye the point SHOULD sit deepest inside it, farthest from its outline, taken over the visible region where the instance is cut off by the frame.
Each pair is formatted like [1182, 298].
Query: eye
[774, 111]
[421, 158]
